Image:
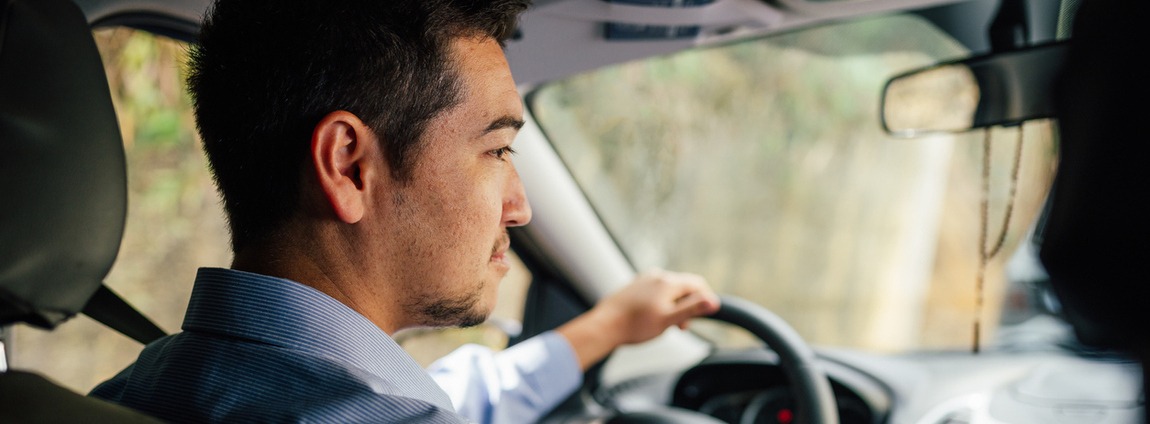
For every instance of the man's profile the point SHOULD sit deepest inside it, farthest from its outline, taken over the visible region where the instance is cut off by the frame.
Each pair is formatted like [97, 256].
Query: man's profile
[361, 148]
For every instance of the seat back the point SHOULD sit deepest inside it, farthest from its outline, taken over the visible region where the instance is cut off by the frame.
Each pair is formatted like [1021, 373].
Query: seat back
[63, 194]
[63, 181]
[1095, 240]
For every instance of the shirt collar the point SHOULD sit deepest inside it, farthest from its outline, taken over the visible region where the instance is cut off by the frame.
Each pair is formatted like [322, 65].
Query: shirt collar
[291, 315]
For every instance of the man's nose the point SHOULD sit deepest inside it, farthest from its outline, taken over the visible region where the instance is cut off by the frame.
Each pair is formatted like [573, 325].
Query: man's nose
[516, 210]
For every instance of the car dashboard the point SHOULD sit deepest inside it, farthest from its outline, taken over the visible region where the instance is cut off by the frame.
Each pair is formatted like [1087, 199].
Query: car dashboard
[749, 387]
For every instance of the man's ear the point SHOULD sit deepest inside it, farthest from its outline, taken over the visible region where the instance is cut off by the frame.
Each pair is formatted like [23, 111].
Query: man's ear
[343, 152]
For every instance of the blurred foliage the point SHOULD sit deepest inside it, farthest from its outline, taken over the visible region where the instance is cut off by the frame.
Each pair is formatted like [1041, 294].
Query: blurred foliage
[762, 166]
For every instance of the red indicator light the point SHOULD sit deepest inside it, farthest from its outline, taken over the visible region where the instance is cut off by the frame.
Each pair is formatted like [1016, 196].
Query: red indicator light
[785, 416]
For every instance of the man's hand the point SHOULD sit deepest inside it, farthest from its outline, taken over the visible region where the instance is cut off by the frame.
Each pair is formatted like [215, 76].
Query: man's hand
[639, 312]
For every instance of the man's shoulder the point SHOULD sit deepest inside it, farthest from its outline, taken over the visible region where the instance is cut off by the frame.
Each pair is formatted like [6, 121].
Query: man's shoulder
[195, 377]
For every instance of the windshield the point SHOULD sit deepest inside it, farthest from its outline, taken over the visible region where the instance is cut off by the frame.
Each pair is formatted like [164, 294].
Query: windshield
[763, 167]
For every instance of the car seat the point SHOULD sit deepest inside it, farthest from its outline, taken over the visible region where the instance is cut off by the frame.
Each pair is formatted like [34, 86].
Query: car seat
[1096, 232]
[1094, 240]
[63, 199]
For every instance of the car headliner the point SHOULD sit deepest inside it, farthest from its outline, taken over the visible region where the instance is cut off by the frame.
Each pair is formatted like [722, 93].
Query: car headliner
[564, 37]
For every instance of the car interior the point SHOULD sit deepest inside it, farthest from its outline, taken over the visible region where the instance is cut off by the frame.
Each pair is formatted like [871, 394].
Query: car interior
[915, 211]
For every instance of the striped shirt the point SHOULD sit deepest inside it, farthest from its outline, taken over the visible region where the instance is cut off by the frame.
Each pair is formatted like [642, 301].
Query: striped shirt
[263, 349]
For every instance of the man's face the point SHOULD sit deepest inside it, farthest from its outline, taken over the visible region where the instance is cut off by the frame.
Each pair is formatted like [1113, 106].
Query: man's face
[464, 193]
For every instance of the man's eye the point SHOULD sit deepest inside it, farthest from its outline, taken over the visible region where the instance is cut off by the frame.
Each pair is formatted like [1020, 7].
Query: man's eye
[502, 153]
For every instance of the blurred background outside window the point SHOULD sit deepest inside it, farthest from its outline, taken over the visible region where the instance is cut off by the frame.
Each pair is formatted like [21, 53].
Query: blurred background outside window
[762, 166]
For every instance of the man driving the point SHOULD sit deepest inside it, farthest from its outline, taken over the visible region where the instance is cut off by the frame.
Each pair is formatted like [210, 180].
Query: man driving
[362, 150]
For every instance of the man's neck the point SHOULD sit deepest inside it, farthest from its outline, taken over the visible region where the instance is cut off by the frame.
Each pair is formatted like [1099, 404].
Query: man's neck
[330, 274]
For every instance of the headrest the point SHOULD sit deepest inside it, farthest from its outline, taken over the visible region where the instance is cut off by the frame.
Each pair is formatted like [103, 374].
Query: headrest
[63, 189]
[1096, 241]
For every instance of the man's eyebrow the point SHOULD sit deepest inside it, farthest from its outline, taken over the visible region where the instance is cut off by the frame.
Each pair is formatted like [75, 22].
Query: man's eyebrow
[504, 122]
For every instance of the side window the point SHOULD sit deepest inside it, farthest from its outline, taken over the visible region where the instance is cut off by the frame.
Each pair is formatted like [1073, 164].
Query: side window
[175, 223]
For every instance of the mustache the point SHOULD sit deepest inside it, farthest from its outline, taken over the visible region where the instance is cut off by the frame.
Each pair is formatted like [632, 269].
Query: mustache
[502, 242]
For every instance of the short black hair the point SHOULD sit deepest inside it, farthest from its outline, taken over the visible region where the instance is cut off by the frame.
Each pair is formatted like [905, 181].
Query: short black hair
[264, 72]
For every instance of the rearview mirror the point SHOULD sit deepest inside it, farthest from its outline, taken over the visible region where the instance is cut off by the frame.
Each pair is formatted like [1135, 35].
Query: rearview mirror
[996, 89]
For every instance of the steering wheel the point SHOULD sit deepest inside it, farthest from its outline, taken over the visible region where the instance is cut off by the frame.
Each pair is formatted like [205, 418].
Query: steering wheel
[814, 400]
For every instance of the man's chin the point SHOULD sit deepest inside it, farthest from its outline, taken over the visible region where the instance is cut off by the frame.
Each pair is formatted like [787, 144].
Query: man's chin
[465, 311]
[472, 320]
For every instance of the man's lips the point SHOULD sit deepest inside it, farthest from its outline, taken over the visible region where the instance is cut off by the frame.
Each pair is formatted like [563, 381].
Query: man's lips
[499, 251]
[500, 254]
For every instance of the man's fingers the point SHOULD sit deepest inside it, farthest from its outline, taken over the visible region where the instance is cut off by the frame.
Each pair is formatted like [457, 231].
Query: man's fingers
[691, 296]
[694, 289]
[696, 304]
[677, 285]
[658, 299]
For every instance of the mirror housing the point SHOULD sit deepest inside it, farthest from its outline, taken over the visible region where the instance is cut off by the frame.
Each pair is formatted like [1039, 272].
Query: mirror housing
[996, 89]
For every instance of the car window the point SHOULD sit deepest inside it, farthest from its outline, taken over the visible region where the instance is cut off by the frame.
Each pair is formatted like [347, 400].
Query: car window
[176, 224]
[762, 166]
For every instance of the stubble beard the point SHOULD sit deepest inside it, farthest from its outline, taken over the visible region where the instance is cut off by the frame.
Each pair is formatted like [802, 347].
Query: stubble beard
[434, 308]
[458, 311]
[463, 310]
